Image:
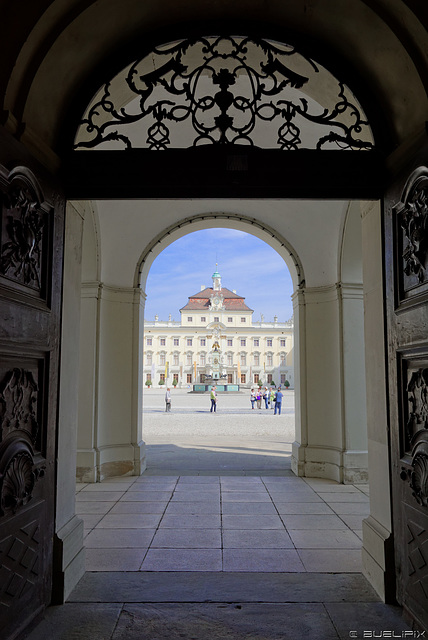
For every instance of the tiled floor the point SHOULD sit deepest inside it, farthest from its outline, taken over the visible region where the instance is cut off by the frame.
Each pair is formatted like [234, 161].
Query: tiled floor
[222, 524]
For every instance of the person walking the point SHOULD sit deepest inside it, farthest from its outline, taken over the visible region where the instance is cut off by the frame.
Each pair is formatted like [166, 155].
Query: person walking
[272, 398]
[259, 398]
[266, 398]
[213, 396]
[278, 401]
[252, 398]
[168, 399]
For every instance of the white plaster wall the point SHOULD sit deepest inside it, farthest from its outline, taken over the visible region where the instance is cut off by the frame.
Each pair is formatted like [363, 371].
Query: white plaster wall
[377, 528]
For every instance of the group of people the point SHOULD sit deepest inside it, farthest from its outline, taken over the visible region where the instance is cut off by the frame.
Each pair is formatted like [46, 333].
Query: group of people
[272, 398]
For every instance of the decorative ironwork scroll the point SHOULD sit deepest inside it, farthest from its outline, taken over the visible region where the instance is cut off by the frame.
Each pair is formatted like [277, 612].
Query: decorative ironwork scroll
[221, 90]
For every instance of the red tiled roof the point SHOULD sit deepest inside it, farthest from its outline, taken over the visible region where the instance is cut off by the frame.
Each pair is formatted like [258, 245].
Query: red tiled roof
[201, 301]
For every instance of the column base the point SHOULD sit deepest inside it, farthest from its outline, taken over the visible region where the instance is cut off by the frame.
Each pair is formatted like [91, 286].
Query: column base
[378, 559]
[68, 559]
[107, 462]
[347, 467]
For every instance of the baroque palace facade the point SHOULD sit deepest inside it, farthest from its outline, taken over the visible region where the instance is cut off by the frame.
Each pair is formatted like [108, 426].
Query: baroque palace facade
[217, 341]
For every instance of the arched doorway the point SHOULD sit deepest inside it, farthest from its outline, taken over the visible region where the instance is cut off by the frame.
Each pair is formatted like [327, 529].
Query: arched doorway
[400, 40]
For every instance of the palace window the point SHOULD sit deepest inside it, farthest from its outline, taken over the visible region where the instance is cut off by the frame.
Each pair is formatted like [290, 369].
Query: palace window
[256, 378]
[189, 359]
[202, 359]
[149, 342]
[189, 342]
[163, 342]
[229, 342]
[282, 342]
[257, 359]
[282, 359]
[230, 378]
[189, 319]
[269, 342]
[216, 319]
[269, 360]
[230, 319]
[243, 378]
[176, 342]
[230, 359]
[175, 378]
[189, 377]
[243, 342]
[243, 359]
[148, 377]
[162, 377]
[256, 342]
[203, 342]
[203, 319]
[149, 359]
[243, 319]
[283, 378]
[175, 360]
[162, 359]
[269, 378]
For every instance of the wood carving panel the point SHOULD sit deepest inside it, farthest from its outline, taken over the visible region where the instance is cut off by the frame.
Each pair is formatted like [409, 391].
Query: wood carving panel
[25, 234]
[417, 555]
[411, 232]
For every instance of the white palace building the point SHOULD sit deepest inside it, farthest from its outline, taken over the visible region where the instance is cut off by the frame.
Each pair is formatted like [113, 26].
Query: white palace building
[216, 340]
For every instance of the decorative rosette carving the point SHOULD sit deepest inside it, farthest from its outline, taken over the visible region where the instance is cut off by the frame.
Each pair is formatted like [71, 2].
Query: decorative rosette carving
[18, 483]
[419, 479]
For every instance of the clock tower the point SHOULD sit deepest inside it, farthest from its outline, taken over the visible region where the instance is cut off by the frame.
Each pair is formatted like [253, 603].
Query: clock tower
[216, 280]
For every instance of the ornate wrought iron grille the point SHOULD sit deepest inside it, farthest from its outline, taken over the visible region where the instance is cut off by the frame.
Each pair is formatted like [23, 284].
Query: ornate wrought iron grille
[224, 90]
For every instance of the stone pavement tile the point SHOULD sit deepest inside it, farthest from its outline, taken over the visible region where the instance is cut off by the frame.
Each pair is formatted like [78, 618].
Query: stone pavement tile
[164, 478]
[365, 488]
[114, 559]
[222, 587]
[198, 480]
[139, 507]
[230, 621]
[353, 522]
[187, 539]
[124, 479]
[247, 482]
[272, 560]
[146, 486]
[93, 508]
[296, 496]
[90, 521]
[189, 521]
[77, 622]
[130, 521]
[292, 508]
[248, 508]
[182, 560]
[80, 485]
[351, 508]
[245, 496]
[252, 522]
[108, 486]
[323, 486]
[205, 489]
[313, 522]
[359, 533]
[256, 539]
[195, 508]
[197, 496]
[325, 539]
[344, 497]
[119, 538]
[372, 617]
[99, 496]
[146, 496]
[331, 560]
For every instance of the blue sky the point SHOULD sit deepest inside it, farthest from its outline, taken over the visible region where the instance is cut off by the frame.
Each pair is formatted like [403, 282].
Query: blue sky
[245, 263]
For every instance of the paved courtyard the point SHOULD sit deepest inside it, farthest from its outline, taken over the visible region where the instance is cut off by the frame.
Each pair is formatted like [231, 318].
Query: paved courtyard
[218, 540]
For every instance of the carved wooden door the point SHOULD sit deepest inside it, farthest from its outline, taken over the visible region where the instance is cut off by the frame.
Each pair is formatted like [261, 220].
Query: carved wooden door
[406, 274]
[30, 290]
